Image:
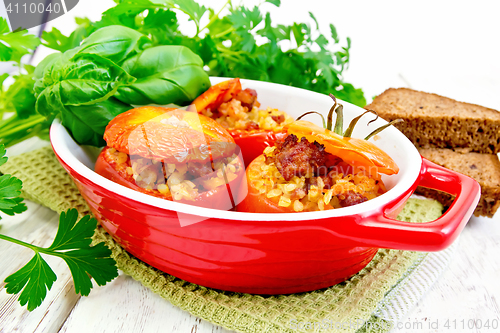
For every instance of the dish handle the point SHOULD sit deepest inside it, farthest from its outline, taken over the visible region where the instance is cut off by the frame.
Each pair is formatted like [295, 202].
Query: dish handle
[382, 231]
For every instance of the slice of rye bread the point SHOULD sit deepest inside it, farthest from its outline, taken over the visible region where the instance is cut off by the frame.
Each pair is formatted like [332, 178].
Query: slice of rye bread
[433, 121]
[484, 168]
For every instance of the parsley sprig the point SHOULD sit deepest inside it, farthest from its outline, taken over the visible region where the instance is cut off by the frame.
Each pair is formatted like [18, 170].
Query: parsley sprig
[14, 45]
[72, 244]
[10, 190]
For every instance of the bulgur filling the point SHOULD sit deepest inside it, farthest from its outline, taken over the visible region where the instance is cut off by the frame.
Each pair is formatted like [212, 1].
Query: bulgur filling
[302, 176]
[242, 113]
[183, 181]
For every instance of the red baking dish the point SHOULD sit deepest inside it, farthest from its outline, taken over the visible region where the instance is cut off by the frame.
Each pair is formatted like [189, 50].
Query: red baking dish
[273, 253]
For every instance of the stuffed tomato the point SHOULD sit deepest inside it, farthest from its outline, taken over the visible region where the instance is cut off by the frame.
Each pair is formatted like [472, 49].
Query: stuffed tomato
[237, 110]
[172, 154]
[314, 168]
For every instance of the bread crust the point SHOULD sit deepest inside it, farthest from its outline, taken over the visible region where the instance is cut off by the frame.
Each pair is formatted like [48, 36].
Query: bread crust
[433, 121]
[459, 136]
[484, 168]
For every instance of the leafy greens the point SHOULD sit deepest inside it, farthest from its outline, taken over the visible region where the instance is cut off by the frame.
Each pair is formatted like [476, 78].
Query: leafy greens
[10, 190]
[16, 44]
[112, 69]
[243, 43]
[19, 98]
[86, 85]
[72, 244]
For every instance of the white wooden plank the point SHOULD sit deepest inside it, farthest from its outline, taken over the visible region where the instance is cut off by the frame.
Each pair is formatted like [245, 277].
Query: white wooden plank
[38, 225]
[33, 226]
[469, 289]
[124, 305]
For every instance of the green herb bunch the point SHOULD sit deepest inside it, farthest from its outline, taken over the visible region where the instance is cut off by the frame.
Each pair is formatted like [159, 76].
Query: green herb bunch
[112, 69]
[18, 118]
[243, 43]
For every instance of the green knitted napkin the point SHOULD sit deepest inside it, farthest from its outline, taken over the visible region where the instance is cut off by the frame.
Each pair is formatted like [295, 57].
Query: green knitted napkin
[349, 306]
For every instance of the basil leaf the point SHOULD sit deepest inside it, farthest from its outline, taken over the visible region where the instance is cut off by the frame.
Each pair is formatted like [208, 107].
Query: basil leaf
[91, 79]
[115, 43]
[82, 80]
[165, 74]
[77, 89]
[49, 71]
[48, 61]
[87, 123]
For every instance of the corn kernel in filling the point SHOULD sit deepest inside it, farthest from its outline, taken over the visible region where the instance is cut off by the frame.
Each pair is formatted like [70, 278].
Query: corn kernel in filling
[310, 193]
[234, 115]
[183, 181]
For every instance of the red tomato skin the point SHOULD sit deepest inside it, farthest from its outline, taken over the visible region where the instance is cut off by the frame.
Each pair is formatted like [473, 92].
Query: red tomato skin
[256, 202]
[126, 133]
[253, 143]
[216, 198]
